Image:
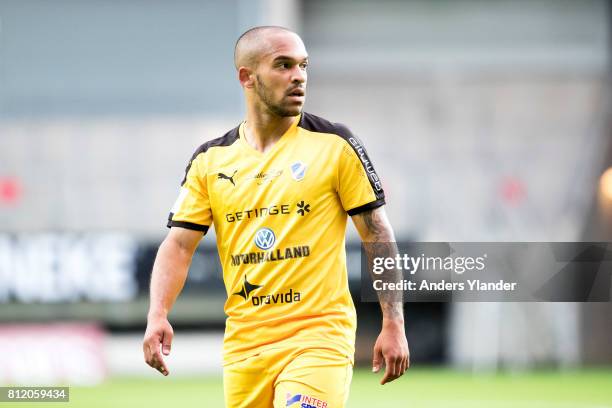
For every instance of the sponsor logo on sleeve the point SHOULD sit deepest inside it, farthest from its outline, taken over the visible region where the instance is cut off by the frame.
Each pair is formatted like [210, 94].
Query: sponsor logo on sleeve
[367, 164]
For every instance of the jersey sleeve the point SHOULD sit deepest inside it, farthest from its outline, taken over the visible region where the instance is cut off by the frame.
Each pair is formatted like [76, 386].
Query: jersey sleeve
[359, 187]
[191, 209]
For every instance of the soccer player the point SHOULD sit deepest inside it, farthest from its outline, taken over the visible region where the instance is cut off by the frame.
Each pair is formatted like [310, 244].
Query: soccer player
[277, 189]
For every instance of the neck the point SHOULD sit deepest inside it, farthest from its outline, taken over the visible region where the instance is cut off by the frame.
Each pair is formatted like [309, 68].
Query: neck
[263, 128]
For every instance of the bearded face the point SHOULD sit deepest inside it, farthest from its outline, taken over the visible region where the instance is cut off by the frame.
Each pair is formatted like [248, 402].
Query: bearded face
[280, 99]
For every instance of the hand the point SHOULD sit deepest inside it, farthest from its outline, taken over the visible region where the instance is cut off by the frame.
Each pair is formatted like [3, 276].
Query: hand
[392, 348]
[159, 332]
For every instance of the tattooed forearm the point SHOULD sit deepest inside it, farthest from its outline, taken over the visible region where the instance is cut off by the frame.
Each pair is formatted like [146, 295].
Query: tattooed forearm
[379, 242]
[377, 226]
[391, 301]
[393, 310]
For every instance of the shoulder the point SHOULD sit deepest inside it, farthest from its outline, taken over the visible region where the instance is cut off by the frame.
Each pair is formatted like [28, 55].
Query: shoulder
[227, 139]
[345, 139]
[318, 124]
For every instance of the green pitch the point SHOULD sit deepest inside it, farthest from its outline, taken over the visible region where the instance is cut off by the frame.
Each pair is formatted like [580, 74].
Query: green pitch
[419, 388]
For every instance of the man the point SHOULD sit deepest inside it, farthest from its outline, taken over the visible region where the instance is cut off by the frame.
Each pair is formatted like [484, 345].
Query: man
[278, 189]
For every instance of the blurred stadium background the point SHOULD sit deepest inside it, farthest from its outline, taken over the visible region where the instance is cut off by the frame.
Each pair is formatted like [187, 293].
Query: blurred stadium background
[487, 120]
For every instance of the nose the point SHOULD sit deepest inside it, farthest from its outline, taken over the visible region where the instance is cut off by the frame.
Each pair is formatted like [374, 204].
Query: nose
[298, 75]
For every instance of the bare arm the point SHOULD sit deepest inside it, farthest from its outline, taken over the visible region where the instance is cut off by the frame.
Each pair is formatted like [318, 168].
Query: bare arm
[167, 280]
[376, 232]
[391, 346]
[170, 268]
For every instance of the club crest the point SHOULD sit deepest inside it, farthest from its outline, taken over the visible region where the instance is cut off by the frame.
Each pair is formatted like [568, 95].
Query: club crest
[298, 170]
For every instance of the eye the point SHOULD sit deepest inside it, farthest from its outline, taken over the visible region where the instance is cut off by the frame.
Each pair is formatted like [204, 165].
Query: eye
[304, 65]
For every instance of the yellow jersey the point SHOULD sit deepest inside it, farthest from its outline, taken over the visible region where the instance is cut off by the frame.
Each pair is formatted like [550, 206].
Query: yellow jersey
[280, 221]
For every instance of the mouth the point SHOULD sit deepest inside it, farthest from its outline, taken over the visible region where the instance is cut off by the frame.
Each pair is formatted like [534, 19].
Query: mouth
[298, 92]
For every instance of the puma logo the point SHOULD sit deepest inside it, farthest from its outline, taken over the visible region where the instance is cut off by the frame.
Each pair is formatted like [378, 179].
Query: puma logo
[222, 176]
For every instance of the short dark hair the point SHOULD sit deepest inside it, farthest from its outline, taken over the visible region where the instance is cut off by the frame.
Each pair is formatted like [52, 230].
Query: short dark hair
[251, 34]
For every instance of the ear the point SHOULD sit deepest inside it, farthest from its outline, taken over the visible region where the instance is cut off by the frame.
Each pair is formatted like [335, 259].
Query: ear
[246, 77]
